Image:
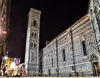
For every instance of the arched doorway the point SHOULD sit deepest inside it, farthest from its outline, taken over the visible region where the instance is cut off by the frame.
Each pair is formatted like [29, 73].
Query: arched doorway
[95, 65]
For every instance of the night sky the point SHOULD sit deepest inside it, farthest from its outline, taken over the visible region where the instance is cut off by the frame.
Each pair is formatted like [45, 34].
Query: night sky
[56, 16]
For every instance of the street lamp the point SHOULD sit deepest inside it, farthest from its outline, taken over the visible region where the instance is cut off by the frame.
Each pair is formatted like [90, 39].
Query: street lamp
[5, 57]
[1, 19]
[4, 32]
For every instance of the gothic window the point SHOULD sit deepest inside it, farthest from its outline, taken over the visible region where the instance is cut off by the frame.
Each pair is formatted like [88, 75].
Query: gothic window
[34, 34]
[84, 48]
[63, 55]
[34, 45]
[31, 44]
[52, 62]
[34, 23]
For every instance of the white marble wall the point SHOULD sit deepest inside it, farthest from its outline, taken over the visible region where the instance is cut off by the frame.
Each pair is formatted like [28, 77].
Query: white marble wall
[82, 32]
[32, 43]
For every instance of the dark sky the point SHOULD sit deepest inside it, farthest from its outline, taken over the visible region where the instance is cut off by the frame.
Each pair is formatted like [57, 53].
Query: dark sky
[56, 16]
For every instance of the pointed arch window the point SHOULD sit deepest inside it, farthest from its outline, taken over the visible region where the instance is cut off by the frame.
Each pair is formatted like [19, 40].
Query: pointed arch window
[84, 48]
[34, 23]
[64, 55]
[34, 34]
[31, 45]
[34, 45]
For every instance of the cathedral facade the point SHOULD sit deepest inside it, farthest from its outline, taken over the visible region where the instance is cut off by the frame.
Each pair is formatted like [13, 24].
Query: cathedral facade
[77, 49]
[74, 51]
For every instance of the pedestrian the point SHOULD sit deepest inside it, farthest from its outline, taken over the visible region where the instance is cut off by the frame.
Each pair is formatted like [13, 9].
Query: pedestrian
[0, 72]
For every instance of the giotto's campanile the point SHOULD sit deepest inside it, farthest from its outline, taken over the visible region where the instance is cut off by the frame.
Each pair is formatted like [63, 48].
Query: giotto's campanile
[32, 43]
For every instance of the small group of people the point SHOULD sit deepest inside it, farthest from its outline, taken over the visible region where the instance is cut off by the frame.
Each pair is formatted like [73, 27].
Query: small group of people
[12, 73]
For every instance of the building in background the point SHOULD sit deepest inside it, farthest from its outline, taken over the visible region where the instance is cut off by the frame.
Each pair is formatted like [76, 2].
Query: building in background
[12, 65]
[4, 25]
[32, 43]
[76, 51]
[8, 63]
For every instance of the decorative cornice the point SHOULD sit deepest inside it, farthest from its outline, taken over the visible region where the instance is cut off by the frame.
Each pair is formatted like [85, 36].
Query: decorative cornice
[32, 11]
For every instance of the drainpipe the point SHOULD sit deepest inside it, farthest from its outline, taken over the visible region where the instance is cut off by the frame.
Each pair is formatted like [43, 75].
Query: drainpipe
[57, 58]
[71, 34]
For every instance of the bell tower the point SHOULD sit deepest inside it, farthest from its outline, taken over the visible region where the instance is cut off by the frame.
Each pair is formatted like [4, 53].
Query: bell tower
[32, 43]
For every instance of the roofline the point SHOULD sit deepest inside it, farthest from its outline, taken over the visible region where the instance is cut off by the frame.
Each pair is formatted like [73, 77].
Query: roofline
[67, 29]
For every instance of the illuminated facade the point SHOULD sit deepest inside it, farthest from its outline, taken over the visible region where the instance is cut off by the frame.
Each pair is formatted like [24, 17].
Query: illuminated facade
[74, 51]
[32, 43]
[8, 63]
[4, 25]
[77, 49]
